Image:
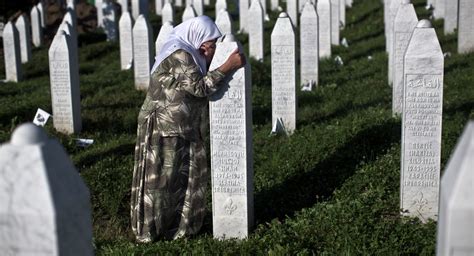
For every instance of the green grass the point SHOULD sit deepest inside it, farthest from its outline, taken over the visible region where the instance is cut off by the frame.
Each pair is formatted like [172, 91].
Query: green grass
[332, 188]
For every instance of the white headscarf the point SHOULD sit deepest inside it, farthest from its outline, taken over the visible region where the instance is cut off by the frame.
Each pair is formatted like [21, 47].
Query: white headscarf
[189, 36]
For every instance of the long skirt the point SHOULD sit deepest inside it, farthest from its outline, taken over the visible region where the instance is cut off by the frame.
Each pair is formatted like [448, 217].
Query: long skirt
[168, 188]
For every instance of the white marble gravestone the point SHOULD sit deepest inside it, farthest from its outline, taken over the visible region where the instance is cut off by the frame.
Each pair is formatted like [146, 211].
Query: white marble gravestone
[42, 14]
[243, 13]
[109, 20]
[224, 22]
[158, 7]
[64, 80]
[198, 7]
[139, 7]
[45, 206]
[100, 14]
[309, 46]
[165, 31]
[220, 5]
[188, 13]
[292, 11]
[466, 26]
[126, 41]
[71, 19]
[335, 22]
[421, 124]
[23, 26]
[71, 32]
[255, 30]
[324, 14]
[167, 12]
[274, 5]
[349, 3]
[11, 51]
[142, 52]
[456, 209]
[386, 15]
[394, 5]
[283, 56]
[342, 12]
[439, 9]
[230, 114]
[451, 17]
[36, 29]
[124, 5]
[403, 26]
[178, 3]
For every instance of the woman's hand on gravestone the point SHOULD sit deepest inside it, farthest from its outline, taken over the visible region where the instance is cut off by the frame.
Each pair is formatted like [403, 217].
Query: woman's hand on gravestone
[235, 61]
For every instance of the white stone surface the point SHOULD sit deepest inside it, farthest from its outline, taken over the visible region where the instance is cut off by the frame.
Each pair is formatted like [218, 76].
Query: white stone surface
[11, 51]
[404, 24]
[42, 14]
[394, 5]
[158, 7]
[386, 15]
[109, 20]
[188, 13]
[139, 7]
[292, 11]
[342, 12]
[165, 31]
[178, 3]
[224, 22]
[284, 73]
[24, 32]
[64, 80]
[230, 112]
[349, 3]
[198, 7]
[167, 13]
[451, 17]
[243, 13]
[124, 5]
[220, 5]
[466, 26]
[255, 30]
[421, 124]
[71, 31]
[100, 14]
[126, 41]
[309, 46]
[439, 9]
[142, 52]
[456, 212]
[36, 30]
[335, 22]
[44, 205]
[324, 13]
[274, 4]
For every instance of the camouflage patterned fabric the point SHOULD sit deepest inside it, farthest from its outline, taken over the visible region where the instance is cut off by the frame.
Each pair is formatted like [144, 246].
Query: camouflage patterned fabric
[170, 171]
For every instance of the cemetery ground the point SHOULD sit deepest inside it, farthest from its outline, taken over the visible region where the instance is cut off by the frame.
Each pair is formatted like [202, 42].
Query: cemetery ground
[330, 188]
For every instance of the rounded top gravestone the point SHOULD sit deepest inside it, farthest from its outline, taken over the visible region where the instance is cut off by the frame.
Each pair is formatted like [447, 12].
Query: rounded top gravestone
[283, 15]
[28, 134]
[424, 24]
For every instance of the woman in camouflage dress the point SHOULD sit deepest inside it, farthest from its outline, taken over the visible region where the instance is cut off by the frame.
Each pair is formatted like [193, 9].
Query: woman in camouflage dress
[170, 171]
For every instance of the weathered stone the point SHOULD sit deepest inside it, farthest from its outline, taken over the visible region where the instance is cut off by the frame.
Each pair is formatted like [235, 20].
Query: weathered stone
[451, 17]
[421, 124]
[11, 51]
[335, 22]
[224, 22]
[466, 26]
[456, 210]
[45, 206]
[36, 29]
[283, 73]
[292, 11]
[167, 13]
[256, 30]
[165, 31]
[23, 26]
[126, 41]
[142, 52]
[404, 24]
[109, 20]
[231, 149]
[243, 13]
[309, 46]
[324, 13]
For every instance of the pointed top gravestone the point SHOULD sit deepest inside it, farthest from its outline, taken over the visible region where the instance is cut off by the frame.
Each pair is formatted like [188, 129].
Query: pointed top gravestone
[42, 14]
[139, 7]
[439, 9]
[456, 213]
[11, 51]
[188, 13]
[124, 6]
[404, 24]
[309, 46]
[466, 26]
[126, 41]
[158, 7]
[142, 52]
[36, 29]
[451, 17]
[386, 15]
[100, 13]
[198, 7]
[283, 56]
[243, 15]
[224, 22]
[421, 124]
[324, 13]
[23, 26]
[220, 5]
[230, 115]
[292, 11]
[394, 5]
[335, 20]
[167, 13]
[165, 31]
[256, 31]
[44, 204]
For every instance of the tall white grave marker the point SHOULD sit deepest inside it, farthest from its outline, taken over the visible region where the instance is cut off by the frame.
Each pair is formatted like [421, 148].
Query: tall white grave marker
[230, 111]
[23, 26]
[451, 17]
[256, 30]
[44, 205]
[456, 210]
[142, 52]
[126, 41]
[335, 22]
[167, 13]
[224, 22]
[243, 14]
[349, 3]
[220, 5]
[283, 73]
[100, 12]
[292, 10]
[124, 5]
[386, 15]
[165, 31]
[198, 6]
[139, 7]
[36, 29]
[466, 26]
[11, 51]
[178, 3]
[439, 9]
[42, 14]
[309, 46]
[158, 7]
[324, 14]
[109, 21]
[188, 13]
[274, 5]
[342, 12]
[394, 5]
[421, 124]
[404, 24]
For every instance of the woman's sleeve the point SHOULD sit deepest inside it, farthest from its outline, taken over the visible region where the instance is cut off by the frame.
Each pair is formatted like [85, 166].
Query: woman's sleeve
[188, 74]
